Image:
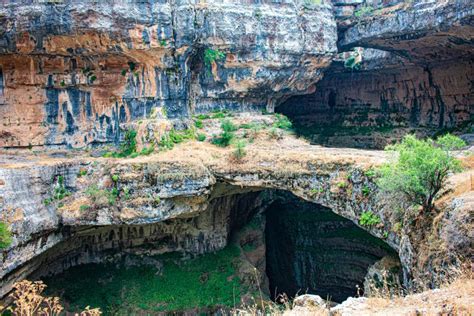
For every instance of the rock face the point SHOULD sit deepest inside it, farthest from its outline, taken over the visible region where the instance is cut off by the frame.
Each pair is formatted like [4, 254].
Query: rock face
[312, 250]
[413, 73]
[73, 72]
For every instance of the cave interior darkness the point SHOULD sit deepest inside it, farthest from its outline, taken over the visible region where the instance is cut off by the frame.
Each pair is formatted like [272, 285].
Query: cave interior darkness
[308, 249]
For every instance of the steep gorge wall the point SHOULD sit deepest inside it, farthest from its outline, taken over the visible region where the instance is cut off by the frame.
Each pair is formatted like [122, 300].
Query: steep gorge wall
[436, 96]
[73, 72]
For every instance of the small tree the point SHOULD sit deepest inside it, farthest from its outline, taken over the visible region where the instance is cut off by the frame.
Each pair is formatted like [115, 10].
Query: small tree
[240, 151]
[421, 168]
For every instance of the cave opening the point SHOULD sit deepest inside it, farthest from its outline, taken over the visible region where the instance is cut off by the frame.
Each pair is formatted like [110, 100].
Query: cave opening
[385, 98]
[312, 250]
[268, 240]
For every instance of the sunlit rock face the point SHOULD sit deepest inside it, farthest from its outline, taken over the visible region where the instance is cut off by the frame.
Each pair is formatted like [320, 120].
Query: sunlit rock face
[73, 72]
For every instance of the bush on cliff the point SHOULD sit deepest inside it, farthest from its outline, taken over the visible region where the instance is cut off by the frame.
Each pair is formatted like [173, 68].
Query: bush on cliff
[5, 236]
[227, 135]
[421, 168]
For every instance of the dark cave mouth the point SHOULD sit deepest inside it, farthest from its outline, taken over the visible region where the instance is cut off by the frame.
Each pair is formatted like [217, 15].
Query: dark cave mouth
[310, 249]
[299, 247]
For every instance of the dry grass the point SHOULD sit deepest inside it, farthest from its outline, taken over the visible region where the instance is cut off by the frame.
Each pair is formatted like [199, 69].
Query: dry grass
[454, 299]
[28, 301]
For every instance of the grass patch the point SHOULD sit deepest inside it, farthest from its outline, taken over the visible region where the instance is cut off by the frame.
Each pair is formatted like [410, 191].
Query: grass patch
[204, 282]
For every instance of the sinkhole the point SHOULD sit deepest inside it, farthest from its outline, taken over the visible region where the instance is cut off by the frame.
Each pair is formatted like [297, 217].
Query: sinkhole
[310, 249]
[269, 241]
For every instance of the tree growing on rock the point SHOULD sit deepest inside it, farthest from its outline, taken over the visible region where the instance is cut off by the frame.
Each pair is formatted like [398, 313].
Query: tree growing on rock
[420, 168]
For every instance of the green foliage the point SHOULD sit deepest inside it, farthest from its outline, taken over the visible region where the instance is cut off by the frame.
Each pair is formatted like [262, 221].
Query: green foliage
[163, 43]
[450, 142]
[342, 184]
[370, 173]
[227, 135]
[198, 123]
[62, 83]
[146, 150]
[282, 122]
[201, 137]
[315, 191]
[368, 219]
[59, 192]
[275, 133]
[365, 190]
[240, 151]
[5, 236]
[421, 168]
[131, 66]
[175, 137]
[352, 63]
[203, 116]
[207, 281]
[100, 196]
[123, 72]
[212, 55]
[115, 178]
[81, 173]
[84, 208]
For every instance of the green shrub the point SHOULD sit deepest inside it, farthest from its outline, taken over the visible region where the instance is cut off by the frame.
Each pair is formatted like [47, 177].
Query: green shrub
[368, 219]
[129, 145]
[275, 133]
[115, 178]
[100, 196]
[198, 123]
[227, 135]
[201, 137]
[147, 150]
[342, 184]
[240, 151]
[282, 122]
[365, 190]
[370, 173]
[353, 62]
[203, 116]
[212, 55]
[5, 236]
[420, 168]
[81, 173]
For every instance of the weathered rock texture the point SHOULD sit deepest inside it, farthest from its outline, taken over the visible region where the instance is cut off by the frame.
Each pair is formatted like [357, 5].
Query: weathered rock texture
[73, 72]
[183, 183]
[416, 72]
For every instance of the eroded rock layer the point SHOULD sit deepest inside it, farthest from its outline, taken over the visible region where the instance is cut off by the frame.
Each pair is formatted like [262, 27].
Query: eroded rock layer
[72, 72]
[396, 96]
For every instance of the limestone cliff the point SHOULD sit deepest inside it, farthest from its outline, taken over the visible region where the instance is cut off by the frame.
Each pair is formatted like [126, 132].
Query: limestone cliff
[73, 72]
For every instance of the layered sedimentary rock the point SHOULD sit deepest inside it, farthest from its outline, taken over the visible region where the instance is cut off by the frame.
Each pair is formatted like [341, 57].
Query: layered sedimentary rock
[73, 72]
[388, 93]
[183, 183]
[409, 70]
